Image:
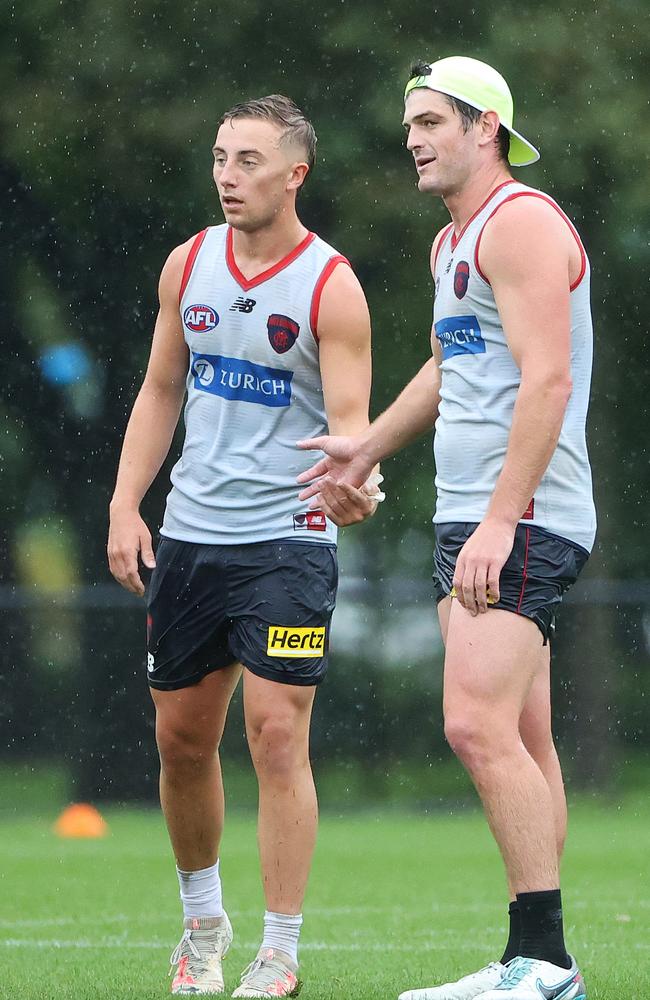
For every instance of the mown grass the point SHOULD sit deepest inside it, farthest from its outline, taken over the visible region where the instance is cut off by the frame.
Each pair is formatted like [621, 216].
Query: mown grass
[395, 900]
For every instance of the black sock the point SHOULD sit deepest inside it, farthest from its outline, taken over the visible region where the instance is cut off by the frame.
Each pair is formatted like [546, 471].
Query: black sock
[512, 947]
[542, 934]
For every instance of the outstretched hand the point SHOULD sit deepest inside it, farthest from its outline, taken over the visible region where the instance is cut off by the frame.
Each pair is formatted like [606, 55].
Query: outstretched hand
[344, 462]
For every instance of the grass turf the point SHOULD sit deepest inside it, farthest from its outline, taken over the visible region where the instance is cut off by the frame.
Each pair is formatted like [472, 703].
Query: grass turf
[395, 901]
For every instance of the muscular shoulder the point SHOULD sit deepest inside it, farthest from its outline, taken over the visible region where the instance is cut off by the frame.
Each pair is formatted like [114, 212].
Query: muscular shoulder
[525, 228]
[172, 272]
[343, 304]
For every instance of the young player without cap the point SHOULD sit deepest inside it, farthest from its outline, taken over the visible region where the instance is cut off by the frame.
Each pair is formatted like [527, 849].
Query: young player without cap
[266, 329]
[508, 390]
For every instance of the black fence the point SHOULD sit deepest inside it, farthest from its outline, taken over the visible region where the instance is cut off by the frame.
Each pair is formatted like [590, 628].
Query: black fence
[75, 694]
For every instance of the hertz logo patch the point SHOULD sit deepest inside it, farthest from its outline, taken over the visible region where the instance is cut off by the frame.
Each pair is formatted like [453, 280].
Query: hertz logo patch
[302, 642]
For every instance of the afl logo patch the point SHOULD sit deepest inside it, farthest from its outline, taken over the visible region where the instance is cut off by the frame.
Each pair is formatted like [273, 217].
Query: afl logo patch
[461, 278]
[200, 319]
[283, 332]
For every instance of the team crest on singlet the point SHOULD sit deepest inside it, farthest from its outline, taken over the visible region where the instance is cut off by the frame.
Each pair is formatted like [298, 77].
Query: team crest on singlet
[283, 332]
[461, 278]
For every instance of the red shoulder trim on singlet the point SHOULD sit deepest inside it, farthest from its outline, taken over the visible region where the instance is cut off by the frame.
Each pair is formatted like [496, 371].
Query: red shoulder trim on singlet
[443, 237]
[189, 263]
[455, 240]
[549, 201]
[318, 290]
[248, 283]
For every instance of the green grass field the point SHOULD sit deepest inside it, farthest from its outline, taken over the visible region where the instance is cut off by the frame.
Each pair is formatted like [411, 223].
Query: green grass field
[394, 901]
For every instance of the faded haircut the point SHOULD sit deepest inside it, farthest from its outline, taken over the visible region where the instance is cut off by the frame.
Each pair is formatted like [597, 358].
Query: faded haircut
[281, 111]
[468, 115]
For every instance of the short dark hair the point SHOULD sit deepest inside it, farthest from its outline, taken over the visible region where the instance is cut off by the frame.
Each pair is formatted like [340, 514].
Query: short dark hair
[468, 115]
[283, 112]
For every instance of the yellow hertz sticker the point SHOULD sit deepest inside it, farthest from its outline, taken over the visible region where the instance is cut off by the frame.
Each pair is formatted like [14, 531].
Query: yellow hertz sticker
[490, 599]
[285, 641]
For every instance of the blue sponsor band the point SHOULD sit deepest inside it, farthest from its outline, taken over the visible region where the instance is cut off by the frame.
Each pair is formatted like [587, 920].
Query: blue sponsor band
[233, 378]
[459, 335]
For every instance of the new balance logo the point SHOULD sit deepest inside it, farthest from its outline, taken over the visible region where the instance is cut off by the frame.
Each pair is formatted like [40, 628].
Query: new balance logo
[243, 305]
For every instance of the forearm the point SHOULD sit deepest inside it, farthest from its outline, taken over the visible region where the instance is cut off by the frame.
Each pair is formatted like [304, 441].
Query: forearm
[414, 411]
[146, 443]
[537, 421]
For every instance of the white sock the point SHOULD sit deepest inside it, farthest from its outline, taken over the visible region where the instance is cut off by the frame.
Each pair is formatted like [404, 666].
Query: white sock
[201, 892]
[281, 932]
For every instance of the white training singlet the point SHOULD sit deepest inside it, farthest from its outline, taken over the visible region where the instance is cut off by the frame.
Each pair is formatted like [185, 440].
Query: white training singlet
[480, 380]
[253, 390]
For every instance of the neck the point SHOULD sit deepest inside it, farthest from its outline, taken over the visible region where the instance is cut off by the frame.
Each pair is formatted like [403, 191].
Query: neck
[270, 243]
[462, 204]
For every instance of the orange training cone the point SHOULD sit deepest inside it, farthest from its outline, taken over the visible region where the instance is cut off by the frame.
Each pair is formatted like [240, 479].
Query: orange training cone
[81, 820]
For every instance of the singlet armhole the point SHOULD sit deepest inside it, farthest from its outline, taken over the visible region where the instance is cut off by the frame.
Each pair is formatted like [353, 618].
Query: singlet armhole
[323, 278]
[189, 263]
[444, 233]
[549, 201]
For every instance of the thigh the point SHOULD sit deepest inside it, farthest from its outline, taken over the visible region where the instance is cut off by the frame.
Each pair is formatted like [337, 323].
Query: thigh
[187, 624]
[491, 661]
[288, 706]
[281, 600]
[197, 714]
[444, 610]
[535, 719]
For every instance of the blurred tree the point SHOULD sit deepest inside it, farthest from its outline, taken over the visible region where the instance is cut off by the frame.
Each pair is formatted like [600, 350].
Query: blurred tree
[107, 122]
[109, 114]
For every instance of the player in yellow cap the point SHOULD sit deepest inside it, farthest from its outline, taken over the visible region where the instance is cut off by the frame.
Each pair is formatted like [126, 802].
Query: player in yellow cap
[507, 388]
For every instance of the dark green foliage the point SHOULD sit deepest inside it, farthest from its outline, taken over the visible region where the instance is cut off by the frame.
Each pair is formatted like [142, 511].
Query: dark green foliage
[108, 117]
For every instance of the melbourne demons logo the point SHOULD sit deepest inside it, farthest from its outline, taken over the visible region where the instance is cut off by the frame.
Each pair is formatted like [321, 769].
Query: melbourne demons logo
[200, 319]
[461, 278]
[283, 333]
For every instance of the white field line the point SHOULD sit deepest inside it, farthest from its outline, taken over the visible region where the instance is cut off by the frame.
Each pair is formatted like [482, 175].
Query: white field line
[121, 944]
[423, 912]
[101, 919]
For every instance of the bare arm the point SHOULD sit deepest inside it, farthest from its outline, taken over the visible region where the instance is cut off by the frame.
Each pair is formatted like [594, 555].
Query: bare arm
[414, 411]
[350, 460]
[346, 373]
[528, 255]
[149, 432]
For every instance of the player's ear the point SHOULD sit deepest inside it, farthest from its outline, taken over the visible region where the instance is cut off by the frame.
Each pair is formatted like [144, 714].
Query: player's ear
[489, 126]
[297, 176]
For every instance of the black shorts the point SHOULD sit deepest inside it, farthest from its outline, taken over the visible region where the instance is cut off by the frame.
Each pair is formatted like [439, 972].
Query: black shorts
[267, 605]
[538, 571]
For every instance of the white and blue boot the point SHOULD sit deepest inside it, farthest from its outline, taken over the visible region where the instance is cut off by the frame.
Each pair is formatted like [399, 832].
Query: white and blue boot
[467, 988]
[533, 979]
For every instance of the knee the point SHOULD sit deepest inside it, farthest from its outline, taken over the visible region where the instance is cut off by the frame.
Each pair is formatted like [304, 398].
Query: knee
[182, 747]
[470, 740]
[275, 747]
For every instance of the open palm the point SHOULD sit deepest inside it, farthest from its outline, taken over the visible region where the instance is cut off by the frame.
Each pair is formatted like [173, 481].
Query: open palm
[344, 462]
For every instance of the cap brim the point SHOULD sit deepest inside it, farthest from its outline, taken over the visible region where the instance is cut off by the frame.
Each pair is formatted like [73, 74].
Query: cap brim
[522, 153]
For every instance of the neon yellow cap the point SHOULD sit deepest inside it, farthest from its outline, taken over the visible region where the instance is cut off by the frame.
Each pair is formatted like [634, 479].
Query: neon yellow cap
[480, 86]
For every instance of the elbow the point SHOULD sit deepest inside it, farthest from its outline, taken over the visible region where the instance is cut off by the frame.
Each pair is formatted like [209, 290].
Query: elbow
[561, 388]
[555, 386]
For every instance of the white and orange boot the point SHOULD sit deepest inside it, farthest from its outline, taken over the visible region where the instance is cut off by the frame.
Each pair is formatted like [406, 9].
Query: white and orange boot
[272, 974]
[198, 955]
